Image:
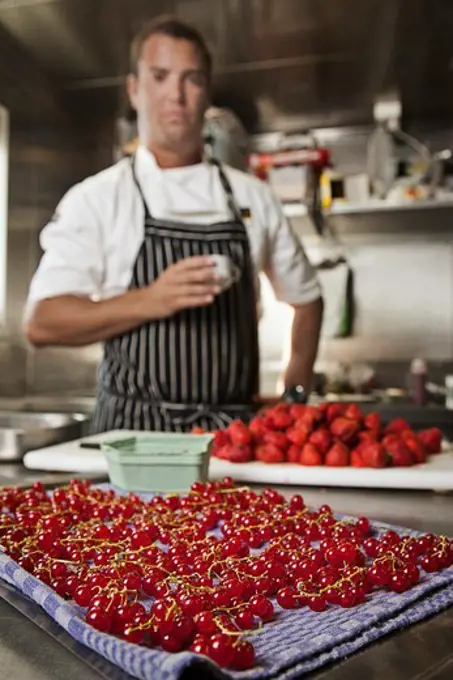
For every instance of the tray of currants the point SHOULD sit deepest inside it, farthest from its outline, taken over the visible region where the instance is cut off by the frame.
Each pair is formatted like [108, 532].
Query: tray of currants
[243, 583]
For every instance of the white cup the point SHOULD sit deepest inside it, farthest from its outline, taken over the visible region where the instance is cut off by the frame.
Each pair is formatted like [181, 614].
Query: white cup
[226, 270]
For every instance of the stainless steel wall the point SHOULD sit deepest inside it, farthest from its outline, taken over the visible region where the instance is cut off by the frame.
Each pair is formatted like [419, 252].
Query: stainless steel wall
[44, 162]
[48, 152]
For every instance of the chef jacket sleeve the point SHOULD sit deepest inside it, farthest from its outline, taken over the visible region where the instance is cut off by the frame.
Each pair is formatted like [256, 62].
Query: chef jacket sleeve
[72, 262]
[292, 277]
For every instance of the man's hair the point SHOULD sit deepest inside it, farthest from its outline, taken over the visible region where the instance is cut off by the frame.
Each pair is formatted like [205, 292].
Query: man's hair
[174, 28]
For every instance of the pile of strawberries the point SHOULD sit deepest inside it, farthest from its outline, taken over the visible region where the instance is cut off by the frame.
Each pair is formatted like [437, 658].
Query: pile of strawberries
[336, 435]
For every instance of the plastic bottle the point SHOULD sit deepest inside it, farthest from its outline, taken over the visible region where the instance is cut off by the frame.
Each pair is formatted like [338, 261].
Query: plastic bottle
[418, 379]
[449, 392]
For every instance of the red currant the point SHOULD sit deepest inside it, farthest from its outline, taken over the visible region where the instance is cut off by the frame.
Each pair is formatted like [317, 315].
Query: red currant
[221, 650]
[430, 563]
[200, 645]
[83, 595]
[363, 525]
[245, 620]
[347, 598]
[379, 574]
[205, 623]
[244, 656]
[286, 598]
[133, 635]
[400, 582]
[371, 545]
[172, 643]
[262, 607]
[317, 603]
[99, 619]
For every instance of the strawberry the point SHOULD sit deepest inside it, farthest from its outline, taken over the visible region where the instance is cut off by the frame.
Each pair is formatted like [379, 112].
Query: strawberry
[308, 420]
[367, 437]
[298, 435]
[278, 439]
[373, 423]
[431, 439]
[221, 438]
[257, 428]
[282, 420]
[388, 439]
[222, 452]
[335, 411]
[293, 454]
[235, 454]
[344, 429]
[397, 426]
[356, 459]
[373, 455]
[415, 446]
[269, 453]
[353, 412]
[314, 411]
[398, 451]
[310, 455]
[268, 422]
[296, 411]
[361, 445]
[337, 456]
[239, 433]
[280, 406]
[198, 430]
[321, 439]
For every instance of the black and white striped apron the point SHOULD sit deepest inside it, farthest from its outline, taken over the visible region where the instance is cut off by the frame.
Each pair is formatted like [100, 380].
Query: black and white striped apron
[199, 367]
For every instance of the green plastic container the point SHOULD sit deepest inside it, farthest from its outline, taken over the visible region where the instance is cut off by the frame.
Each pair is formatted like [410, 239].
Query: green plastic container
[158, 461]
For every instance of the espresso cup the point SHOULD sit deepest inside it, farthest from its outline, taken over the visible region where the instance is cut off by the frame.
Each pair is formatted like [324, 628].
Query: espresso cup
[226, 270]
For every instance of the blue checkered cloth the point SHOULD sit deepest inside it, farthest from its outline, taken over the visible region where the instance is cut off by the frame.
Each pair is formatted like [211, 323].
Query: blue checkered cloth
[297, 642]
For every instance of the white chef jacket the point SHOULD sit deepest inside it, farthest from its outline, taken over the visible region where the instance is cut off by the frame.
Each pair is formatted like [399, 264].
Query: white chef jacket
[93, 239]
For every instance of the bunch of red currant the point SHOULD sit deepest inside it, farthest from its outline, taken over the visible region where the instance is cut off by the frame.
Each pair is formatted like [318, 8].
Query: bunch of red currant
[198, 572]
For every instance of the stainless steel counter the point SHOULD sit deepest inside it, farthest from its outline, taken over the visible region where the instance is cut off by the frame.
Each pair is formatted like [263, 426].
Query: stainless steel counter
[33, 647]
[15, 474]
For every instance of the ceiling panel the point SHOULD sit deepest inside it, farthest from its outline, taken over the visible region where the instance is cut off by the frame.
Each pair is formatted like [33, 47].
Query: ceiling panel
[70, 39]
[284, 62]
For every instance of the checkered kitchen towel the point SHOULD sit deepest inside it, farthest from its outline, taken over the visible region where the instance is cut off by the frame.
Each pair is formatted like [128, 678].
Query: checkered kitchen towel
[297, 641]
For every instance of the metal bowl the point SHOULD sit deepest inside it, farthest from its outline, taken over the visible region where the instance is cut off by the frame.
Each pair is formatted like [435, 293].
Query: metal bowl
[22, 431]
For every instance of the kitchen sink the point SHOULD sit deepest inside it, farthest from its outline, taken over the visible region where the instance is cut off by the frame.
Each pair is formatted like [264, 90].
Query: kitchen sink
[22, 431]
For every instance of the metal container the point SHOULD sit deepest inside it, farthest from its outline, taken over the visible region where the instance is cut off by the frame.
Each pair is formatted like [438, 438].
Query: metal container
[22, 431]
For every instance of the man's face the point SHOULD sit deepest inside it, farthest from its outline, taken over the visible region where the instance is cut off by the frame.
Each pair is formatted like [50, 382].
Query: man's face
[170, 92]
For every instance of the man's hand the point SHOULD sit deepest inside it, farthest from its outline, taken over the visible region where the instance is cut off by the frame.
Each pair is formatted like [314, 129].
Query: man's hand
[76, 321]
[189, 283]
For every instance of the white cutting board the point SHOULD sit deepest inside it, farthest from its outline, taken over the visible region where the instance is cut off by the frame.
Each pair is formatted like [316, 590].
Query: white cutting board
[436, 474]
[70, 457]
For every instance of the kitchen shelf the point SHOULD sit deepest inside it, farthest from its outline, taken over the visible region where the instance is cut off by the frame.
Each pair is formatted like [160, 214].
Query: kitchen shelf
[372, 206]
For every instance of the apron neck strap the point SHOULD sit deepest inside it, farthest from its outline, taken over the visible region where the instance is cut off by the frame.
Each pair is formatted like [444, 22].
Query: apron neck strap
[233, 206]
[137, 184]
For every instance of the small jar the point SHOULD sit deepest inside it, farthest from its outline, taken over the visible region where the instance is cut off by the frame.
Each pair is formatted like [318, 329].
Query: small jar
[449, 392]
[418, 378]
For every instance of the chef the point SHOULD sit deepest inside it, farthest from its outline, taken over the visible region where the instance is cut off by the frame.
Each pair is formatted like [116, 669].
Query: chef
[128, 261]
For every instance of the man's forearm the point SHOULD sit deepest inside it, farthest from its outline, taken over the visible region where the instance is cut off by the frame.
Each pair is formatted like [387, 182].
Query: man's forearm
[304, 344]
[73, 321]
